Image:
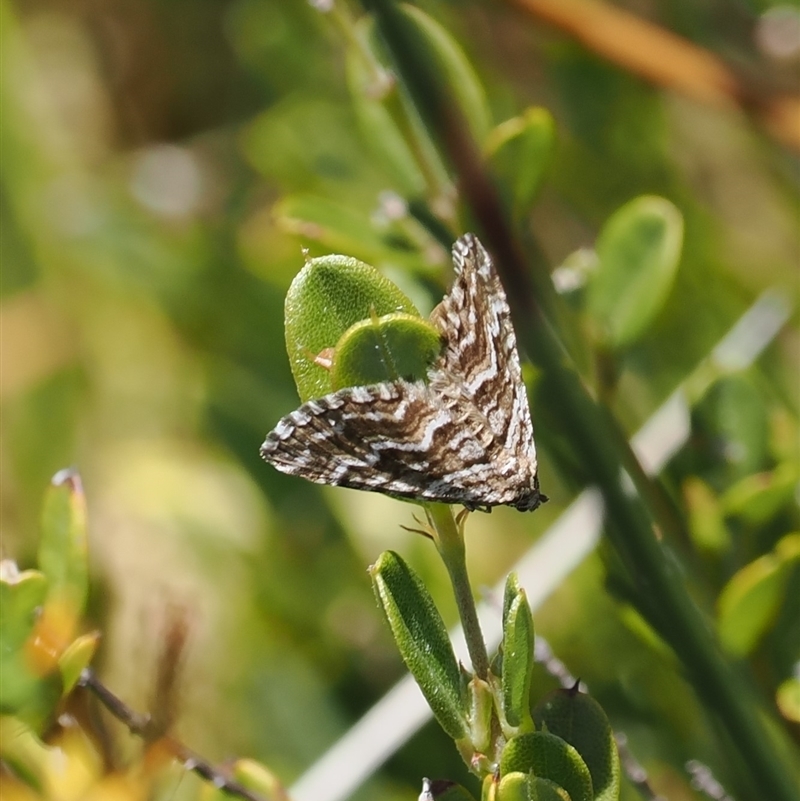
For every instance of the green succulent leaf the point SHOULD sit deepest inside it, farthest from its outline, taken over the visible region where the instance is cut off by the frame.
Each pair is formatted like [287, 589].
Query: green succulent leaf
[520, 150]
[385, 349]
[255, 776]
[444, 790]
[579, 720]
[328, 296]
[75, 658]
[639, 251]
[514, 787]
[706, 518]
[787, 699]
[383, 118]
[422, 639]
[757, 498]
[25, 753]
[454, 67]
[252, 776]
[549, 757]
[328, 224]
[750, 601]
[63, 545]
[481, 706]
[735, 412]
[527, 787]
[510, 592]
[518, 644]
[544, 790]
[21, 596]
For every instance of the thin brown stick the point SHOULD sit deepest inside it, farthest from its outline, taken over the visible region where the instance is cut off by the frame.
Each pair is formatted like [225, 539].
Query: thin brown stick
[142, 725]
[668, 60]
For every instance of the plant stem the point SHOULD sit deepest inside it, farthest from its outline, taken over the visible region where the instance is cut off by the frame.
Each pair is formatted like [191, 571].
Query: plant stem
[450, 544]
[606, 456]
[142, 725]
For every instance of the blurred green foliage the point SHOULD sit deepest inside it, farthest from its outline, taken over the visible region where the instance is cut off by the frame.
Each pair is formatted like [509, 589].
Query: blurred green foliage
[162, 165]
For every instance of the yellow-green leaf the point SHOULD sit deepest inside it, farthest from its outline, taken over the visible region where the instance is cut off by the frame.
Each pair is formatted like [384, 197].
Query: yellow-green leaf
[579, 720]
[526, 787]
[550, 757]
[481, 706]
[520, 150]
[444, 790]
[385, 349]
[518, 643]
[24, 691]
[750, 601]
[21, 594]
[455, 68]
[328, 296]
[757, 498]
[788, 699]
[63, 544]
[422, 639]
[330, 225]
[25, 753]
[383, 119]
[706, 518]
[75, 658]
[255, 776]
[639, 251]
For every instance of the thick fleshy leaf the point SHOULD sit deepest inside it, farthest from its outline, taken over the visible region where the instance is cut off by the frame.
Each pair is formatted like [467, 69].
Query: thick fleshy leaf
[757, 498]
[255, 776]
[330, 225]
[444, 790]
[510, 592]
[63, 544]
[515, 787]
[481, 707]
[706, 518]
[381, 115]
[750, 601]
[581, 721]
[548, 756]
[639, 250]
[526, 787]
[455, 68]
[21, 595]
[518, 662]
[544, 790]
[328, 296]
[252, 776]
[384, 349]
[21, 599]
[422, 639]
[520, 150]
[787, 699]
[306, 139]
[25, 753]
[75, 658]
[734, 412]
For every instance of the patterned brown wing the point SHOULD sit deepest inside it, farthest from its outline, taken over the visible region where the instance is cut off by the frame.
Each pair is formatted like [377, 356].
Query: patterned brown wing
[482, 348]
[464, 437]
[395, 438]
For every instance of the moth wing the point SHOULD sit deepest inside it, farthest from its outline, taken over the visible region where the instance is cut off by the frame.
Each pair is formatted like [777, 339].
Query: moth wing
[396, 438]
[481, 348]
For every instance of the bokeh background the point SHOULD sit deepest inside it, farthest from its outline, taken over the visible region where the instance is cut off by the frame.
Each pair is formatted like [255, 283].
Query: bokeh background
[155, 155]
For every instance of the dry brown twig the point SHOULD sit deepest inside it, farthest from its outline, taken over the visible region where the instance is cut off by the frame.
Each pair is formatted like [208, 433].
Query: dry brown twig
[148, 728]
[669, 61]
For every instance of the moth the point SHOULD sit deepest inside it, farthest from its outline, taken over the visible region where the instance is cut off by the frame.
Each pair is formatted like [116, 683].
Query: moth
[463, 436]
